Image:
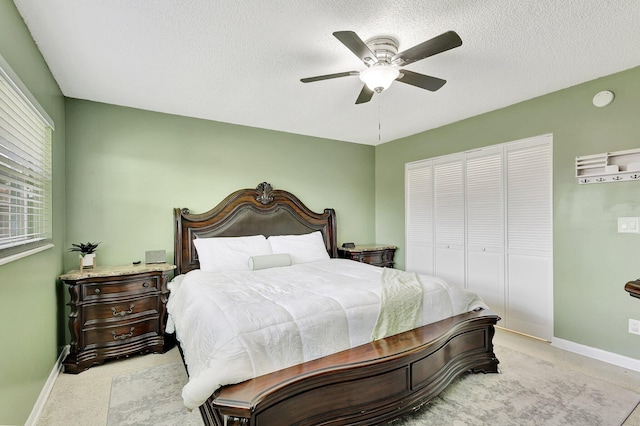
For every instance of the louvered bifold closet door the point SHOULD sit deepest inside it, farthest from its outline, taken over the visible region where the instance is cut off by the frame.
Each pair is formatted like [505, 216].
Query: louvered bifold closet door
[419, 217]
[485, 227]
[449, 197]
[529, 237]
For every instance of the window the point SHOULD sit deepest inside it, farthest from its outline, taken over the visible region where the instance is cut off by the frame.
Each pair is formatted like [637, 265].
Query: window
[25, 169]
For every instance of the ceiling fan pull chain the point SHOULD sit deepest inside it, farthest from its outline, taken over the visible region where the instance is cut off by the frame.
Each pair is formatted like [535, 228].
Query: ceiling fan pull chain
[379, 126]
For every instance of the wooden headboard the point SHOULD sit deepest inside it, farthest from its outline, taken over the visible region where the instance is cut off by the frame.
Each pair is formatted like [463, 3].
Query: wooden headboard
[260, 211]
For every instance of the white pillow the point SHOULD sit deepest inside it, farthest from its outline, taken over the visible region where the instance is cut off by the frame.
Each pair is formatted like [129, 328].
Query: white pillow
[269, 261]
[229, 253]
[302, 248]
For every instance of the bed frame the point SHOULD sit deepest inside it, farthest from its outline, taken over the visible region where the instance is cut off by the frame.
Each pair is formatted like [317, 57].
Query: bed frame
[369, 384]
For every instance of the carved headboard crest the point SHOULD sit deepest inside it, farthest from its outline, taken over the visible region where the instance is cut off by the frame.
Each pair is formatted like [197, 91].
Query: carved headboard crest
[266, 193]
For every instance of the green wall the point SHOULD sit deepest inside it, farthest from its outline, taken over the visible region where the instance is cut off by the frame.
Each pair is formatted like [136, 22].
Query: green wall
[30, 298]
[592, 262]
[127, 169]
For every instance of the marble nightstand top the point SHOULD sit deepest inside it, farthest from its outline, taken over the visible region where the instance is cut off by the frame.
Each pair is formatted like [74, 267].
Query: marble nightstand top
[116, 271]
[368, 247]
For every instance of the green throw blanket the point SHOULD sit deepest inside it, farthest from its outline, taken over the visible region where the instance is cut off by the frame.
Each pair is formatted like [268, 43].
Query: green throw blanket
[400, 303]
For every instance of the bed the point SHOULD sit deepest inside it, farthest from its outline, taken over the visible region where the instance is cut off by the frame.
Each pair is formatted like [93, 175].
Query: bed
[368, 383]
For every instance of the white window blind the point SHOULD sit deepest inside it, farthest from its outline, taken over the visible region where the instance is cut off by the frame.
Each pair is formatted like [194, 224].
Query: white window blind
[25, 170]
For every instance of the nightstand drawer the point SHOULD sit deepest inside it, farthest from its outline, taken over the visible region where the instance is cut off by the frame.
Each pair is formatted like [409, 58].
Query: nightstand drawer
[105, 336]
[377, 255]
[120, 311]
[119, 287]
[371, 257]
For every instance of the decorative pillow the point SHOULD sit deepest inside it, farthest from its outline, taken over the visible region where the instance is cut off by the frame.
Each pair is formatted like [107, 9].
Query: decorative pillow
[269, 261]
[229, 253]
[302, 248]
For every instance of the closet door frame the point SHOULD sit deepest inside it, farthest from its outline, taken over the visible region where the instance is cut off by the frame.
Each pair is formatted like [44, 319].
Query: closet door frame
[469, 255]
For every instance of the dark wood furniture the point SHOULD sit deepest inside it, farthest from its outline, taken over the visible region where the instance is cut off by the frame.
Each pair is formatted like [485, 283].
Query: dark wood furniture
[366, 385]
[633, 287]
[260, 211]
[116, 311]
[373, 254]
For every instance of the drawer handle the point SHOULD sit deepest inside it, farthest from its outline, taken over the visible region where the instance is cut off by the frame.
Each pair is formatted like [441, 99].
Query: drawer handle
[145, 284]
[123, 335]
[123, 312]
[96, 291]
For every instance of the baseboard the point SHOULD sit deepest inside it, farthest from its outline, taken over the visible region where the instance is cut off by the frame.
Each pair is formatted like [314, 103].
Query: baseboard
[599, 354]
[46, 389]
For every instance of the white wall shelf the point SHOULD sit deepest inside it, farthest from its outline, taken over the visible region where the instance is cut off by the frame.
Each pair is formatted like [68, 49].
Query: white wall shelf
[615, 166]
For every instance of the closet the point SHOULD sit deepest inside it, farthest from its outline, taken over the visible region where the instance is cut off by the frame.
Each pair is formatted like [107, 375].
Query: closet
[482, 220]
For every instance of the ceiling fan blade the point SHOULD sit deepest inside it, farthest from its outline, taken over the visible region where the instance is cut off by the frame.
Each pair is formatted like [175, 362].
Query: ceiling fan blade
[436, 45]
[328, 76]
[365, 95]
[420, 80]
[357, 46]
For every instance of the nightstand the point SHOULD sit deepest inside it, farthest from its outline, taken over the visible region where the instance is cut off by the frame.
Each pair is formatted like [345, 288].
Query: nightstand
[116, 311]
[373, 254]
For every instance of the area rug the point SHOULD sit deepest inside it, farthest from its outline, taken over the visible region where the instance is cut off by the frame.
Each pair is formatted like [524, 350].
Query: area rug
[529, 391]
[151, 397]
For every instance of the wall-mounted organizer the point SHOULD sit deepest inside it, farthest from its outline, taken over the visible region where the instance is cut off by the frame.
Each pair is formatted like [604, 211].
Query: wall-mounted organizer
[616, 166]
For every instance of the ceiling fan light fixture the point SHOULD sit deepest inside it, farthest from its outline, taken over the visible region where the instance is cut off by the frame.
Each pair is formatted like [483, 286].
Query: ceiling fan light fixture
[383, 62]
[379, 77]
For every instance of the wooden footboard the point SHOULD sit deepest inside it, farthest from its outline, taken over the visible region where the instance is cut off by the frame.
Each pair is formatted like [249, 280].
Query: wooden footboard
[370, 384]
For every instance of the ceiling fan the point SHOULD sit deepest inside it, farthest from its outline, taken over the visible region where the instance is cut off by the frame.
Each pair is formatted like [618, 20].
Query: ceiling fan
[380, 55]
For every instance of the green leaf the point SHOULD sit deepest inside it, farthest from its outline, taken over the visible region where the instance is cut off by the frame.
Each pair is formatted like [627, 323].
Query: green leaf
[84, 248]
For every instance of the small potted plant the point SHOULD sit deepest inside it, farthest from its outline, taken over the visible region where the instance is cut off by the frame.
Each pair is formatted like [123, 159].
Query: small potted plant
[87, 254]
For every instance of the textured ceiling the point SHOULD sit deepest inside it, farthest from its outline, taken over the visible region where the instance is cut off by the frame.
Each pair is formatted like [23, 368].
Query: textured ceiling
[240, 61]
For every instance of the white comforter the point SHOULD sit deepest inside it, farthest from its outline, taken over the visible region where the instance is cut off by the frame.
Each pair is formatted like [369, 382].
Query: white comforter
[238, 325]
